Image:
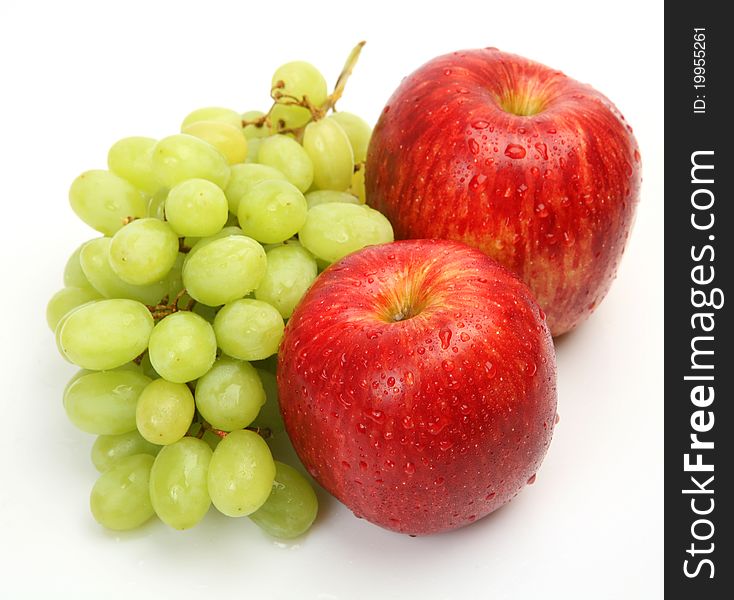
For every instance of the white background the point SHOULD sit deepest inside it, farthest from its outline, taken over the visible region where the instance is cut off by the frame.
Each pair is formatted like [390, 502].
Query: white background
[77, 76]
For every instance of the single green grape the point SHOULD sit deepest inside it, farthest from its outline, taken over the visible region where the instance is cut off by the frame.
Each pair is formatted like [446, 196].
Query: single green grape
[143, 252]
[213, 113]
[291, 270]
[287, 156]
[243, 178]
[291, 507]
[272, 211]
[120, 498]
[196, 207]
[73, 273]
[181, 157]
[95, 262]
[105, 334]
[358, 131]
[249, 329]
[253, 131]
[241, 474]
[336, 229]
[104, 402]
[109, 449]
[220, 270]
[178, 483]
[297, 80]
[131, 159]
[105, 201]
[328, 147]
[182, 347]
[326, 196]
[67, 299]
[164, 411]
[269, 416]
[229, 395]
[228, 139]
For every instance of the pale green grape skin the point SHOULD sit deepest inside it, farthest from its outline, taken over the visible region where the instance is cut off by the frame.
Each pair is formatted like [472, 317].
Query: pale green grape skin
[300, 79]
[182, 347]
[269, 416]
[358, 131]
[120, 498]
[228, 139]
[330, 151]
[104, 403]
[103, 200]
[181, 157]
[291, 507]
[105, 334]
[221, 270]
[73, 273]
[95, 261]
[65, 300]
[230, 395]
[253, 147]
[157, 205]
[130, 158]
[243, 178]
[213, 113]
[326, 196]
[284, 117]
[249, 329]
[253, 131]
[241, 474]
[272, 211]
[196, 207]
[107, 450]
[336, 229]
[143, 252]
[178, 483]
[291, 270]
[164, 411]
[287, 156]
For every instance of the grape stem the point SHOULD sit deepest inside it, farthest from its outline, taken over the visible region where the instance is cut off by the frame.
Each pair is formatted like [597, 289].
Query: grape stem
[165, 308]
[263, 432]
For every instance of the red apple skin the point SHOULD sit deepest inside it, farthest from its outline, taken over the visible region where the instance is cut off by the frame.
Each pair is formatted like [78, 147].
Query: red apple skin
[428, 423]
[551, 196]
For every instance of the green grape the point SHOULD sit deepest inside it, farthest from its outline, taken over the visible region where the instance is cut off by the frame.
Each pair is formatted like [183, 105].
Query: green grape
[95, 261]
[164, 411]
[230, 395]
[253, 148]
[325, 196]
[291, 270]
[130, 158]
[105, 334]
[287, 156]
[109, 449]
[157, 205]
[65, 300]
[104, 201]
[272, 211]
[335, 229]
[228, 139]
[180, 157]
[73, 273]
[285, 117]
[143, 251]
[196, 207]
[358, 131]
[357, 187]
[182, 347]
[243, 178]
[249, 329]
[178, 483]
[213, 113]
[291, 507]
[269, 416]
[104, 402]
[254, 131]
[120, 498]
[241, 474]
[217, 271]
[298, 80]
[331, 154]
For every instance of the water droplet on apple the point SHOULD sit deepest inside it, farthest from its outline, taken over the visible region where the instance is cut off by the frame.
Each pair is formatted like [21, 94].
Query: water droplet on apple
[562, 162]
[447, 71]
[408, 422]
[448, 366]
[637, 155]
[557, 419]
[473, 146]
[361, 428]
[376, 415]
[462, 90]
[438, 481]
[542, 150]
[389, 464]
[363, 465]
[346, 465]
[515, 151]
[489, 368]
[390, 381]
[521, 130]
[531, 481]
[541, 314]
[386, 110]
[477, 180]
[534, 171]
[464, 337]
[480, 124]
[531, 368]
[437, 426]
[522, 188]
[445, 445]
[541, 210]
[409, 468]
[445, 336]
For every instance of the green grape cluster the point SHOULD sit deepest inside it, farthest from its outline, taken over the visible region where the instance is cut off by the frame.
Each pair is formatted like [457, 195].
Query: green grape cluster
[209, 239]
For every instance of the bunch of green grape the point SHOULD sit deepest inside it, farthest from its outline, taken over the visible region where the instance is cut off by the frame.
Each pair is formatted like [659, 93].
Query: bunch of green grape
[210, 237]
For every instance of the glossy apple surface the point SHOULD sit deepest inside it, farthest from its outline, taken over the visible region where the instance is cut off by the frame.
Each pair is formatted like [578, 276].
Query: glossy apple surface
[539, 171]
[417, 384]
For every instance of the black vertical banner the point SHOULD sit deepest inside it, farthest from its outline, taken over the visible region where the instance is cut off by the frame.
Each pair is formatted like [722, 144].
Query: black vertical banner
[699, 266]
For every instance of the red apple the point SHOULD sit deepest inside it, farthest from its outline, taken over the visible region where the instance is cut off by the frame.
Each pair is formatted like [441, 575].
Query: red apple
[417, 384]
[539, 171]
